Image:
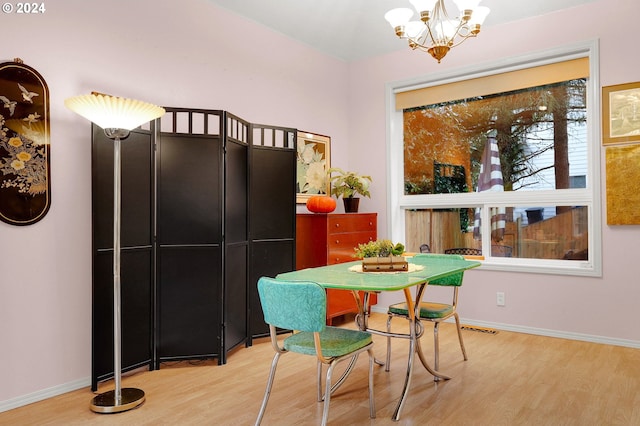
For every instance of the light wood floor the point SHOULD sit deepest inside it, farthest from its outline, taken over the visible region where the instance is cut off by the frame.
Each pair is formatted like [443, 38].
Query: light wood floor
[509, 379]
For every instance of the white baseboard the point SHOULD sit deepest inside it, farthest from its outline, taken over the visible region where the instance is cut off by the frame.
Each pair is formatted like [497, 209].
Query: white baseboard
[78, 384]
[555, 333]
[542, 332]
[44, 394]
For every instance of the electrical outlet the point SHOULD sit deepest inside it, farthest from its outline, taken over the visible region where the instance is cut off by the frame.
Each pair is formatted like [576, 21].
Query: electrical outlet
[500, 298]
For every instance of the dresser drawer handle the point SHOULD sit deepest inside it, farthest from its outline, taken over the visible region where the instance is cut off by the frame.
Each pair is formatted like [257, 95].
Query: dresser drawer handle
[337, 225]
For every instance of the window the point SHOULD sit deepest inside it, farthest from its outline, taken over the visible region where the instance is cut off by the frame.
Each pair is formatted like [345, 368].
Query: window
[505, 162]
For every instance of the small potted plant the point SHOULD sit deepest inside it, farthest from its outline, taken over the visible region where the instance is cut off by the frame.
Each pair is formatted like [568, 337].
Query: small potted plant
[381, 256]
[348, 185]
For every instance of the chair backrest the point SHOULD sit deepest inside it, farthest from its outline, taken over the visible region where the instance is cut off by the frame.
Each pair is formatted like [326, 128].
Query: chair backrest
[293, 305]
[424, 248]
[451, 280]
[465, 251]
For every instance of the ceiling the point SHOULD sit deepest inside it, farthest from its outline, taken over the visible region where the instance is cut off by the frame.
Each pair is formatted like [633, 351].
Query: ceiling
[356, 29]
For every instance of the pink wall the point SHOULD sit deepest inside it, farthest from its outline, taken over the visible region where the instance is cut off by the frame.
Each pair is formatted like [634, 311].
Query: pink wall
[185, 54]
[606, 306]
[181, 54]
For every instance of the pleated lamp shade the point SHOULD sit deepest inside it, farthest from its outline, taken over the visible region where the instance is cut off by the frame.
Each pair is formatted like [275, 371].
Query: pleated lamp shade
[111, 112]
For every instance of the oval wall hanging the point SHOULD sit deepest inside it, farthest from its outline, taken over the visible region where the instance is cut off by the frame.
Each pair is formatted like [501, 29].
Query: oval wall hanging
[25, 176]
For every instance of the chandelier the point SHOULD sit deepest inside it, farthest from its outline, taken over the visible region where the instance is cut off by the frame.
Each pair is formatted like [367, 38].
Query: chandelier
[436, 33]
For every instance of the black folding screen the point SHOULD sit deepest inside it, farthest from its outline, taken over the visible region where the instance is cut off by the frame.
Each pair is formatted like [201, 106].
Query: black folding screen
[272, 239]
[208, 206]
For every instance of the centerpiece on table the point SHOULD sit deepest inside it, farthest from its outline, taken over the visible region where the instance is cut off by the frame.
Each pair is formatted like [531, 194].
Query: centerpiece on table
[382, 256]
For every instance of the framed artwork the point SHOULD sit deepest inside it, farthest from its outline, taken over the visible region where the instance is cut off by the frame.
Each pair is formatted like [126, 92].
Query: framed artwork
[313, 161]
[621, 113]
[623, 185]
[25, 178]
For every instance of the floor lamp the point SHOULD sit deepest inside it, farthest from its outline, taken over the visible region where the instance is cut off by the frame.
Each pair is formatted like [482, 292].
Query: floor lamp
[117, 116]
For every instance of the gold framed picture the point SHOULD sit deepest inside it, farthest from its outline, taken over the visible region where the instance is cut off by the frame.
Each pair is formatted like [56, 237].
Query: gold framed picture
[313, 161]
[623, 185]
[621, 113]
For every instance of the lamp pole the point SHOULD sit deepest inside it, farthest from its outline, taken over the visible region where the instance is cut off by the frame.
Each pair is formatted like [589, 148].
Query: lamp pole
[117, 116]
[118, 399]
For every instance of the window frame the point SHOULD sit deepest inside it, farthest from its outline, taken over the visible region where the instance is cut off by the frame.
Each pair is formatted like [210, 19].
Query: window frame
[589, 196]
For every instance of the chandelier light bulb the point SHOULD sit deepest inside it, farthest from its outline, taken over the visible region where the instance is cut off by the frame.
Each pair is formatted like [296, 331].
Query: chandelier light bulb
[480, 13]
[414, 29]
[398, 17]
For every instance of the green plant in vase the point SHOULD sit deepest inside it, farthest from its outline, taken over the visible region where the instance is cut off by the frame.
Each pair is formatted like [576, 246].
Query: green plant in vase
[379, 248]
[382, 256]
[348, 185]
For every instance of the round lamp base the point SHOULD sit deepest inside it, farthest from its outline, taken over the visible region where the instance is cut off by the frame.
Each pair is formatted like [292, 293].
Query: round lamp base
[106, 402]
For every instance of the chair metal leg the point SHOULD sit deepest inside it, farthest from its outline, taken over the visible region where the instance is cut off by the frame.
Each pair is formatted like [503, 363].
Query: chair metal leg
[330, 389]
[372, 402]
[267, 391]
[388, 359]
[436, 346]
[346, 373]
[436, 374]
[327, 393]
[319, 380]
[407, 380]
[464, 352]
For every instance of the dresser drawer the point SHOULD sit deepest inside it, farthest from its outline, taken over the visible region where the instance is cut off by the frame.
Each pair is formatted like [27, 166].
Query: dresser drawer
[341, 247]
[351, 223]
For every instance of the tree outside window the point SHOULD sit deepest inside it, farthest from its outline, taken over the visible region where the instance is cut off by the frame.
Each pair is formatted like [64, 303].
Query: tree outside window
[542, 145]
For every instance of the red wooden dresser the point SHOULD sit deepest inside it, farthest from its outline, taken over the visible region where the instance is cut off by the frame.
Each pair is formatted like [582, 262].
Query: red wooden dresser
[327, 239]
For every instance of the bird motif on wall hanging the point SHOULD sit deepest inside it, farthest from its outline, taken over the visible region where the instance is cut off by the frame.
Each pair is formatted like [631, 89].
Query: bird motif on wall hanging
[10, 105]
[26, 95]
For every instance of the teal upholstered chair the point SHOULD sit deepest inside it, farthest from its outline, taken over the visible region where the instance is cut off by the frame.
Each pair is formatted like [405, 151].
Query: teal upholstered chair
[301, 306]
[434, 312]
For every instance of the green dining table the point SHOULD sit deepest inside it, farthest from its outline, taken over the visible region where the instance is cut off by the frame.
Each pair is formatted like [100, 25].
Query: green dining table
[349, 276]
